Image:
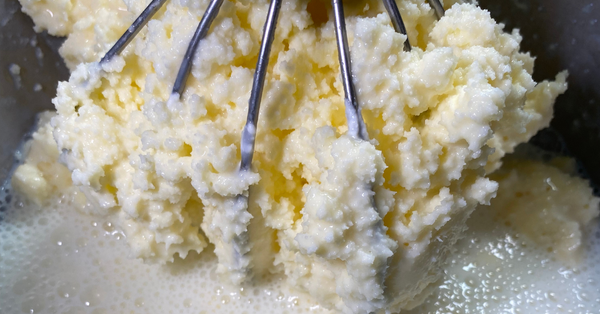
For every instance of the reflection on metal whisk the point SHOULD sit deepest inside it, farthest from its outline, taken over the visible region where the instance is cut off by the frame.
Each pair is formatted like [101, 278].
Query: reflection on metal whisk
[135, 28]
[356, 124]
[203, 27]
[438, 8]
[239, 246]
[186, 65]
[201, 31]
[249, 132]
[392, 8]
[355, 118]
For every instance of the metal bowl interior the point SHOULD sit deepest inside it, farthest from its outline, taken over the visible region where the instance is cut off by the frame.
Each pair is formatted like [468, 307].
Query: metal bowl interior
[562, 34]
[39, 62]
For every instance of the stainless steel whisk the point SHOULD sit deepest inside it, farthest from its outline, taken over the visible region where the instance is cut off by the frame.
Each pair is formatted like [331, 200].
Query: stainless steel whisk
[240, 245]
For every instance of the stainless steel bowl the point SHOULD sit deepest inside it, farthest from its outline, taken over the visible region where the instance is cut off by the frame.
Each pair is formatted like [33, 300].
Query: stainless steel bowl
[562, 34]
[37, 56]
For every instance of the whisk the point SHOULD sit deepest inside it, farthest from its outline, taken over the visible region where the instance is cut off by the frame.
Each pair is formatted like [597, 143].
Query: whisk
[238, 247]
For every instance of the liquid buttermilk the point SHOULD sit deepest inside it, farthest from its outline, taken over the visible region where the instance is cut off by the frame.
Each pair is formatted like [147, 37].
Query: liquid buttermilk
[60, 260]
[142, 178]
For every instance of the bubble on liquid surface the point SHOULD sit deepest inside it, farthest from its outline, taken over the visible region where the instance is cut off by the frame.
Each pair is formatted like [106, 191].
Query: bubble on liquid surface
[495, 270]
[52, 261]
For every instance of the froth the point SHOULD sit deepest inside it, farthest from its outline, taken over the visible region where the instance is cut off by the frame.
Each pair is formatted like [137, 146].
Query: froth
[495, 270]
[57, 260]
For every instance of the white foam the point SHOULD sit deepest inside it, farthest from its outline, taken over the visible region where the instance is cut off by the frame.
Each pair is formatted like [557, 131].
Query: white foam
[56, 259]
[494, 270]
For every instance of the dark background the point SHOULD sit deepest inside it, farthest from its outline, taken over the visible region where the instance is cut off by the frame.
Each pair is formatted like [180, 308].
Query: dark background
[18, 107]
[563, 34]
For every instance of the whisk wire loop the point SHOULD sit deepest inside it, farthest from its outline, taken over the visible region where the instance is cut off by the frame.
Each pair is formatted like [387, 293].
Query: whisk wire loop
[437, 7]
[203, 27]
[249, 132]
[397, 22]
[135, 28]
[355, 122]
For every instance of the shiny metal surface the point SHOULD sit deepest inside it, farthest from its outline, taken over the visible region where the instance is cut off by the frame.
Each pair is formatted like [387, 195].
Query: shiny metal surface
[201, 31]
[562, 34]
[351, 101]
[36, 55]
[133, 30]
[258, 83]
[396, 18]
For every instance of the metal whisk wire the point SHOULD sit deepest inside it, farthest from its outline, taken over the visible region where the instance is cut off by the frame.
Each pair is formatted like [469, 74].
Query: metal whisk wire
[249, 132]
[186, 65]
[397, 22]
[438, 8]
[204, 26]
[133, 30]
[238, 247]
[354, 118]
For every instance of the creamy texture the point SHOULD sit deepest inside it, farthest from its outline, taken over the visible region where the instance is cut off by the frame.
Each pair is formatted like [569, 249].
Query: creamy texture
[361, 226]
[546, 204]
[41, 177]
[503, 268]
[91, 25]
[514, 256]
[342, 229]
[57, 259]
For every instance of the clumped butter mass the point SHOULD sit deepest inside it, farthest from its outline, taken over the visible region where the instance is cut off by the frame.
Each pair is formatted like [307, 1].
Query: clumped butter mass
[440, 117]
